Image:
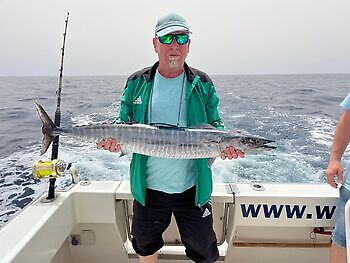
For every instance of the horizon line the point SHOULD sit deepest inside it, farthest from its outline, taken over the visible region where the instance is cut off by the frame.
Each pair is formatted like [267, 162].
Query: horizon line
[210, 74]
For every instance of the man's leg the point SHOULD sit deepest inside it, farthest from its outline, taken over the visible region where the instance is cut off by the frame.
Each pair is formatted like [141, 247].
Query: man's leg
[338, 254]
[149, 259]
[338, 249]
[148, 224]
[196, 228]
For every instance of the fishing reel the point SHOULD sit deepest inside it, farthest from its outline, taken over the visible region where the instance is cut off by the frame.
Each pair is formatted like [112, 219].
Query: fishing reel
[54, 168]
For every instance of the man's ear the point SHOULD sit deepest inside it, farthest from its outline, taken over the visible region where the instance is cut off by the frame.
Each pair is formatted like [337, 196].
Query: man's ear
[155, 44]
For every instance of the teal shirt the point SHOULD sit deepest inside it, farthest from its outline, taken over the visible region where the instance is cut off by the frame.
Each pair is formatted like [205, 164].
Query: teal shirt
[167, 105]
[346, 102]
[202, 107]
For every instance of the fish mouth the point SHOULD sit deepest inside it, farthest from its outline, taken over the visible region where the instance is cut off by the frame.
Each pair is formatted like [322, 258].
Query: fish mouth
[267, 147]
[257, 143]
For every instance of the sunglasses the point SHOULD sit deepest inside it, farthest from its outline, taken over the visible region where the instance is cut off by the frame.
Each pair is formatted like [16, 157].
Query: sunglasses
[181, 39]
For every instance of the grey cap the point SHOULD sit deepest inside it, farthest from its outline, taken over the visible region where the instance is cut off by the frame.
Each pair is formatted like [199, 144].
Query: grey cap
[171, 23]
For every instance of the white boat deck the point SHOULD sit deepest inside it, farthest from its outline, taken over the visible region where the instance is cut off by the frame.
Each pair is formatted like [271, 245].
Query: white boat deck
[91, 223]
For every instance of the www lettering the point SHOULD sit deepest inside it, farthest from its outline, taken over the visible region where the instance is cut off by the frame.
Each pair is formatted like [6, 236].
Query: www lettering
[288, 211]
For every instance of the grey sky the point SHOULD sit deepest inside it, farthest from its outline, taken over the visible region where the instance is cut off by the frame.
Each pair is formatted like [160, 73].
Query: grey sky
[109, 37]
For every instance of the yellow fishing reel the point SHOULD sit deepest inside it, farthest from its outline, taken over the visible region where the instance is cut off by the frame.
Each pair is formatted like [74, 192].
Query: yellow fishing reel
[54, 168]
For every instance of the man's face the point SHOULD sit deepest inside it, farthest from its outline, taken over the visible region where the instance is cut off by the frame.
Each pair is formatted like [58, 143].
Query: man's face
[171, 55]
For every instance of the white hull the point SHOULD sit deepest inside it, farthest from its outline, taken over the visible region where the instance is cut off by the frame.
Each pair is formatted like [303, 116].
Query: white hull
[90, 223]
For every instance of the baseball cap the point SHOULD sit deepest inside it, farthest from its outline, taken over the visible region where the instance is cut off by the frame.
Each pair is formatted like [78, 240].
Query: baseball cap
[171, 23]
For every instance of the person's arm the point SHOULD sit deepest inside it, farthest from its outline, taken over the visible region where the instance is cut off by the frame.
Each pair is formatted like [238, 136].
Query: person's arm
[340, 142]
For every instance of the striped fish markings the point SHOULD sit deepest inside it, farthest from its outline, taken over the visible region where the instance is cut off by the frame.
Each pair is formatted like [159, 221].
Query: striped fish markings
[166, 142]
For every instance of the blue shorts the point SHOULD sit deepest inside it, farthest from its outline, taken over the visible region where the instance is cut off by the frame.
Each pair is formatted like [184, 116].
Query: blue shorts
[339, 236]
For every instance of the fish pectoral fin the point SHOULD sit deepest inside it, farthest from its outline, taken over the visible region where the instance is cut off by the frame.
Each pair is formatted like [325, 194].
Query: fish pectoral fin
[123, 151]
[212, 142]
[211, 161]
[122, 154]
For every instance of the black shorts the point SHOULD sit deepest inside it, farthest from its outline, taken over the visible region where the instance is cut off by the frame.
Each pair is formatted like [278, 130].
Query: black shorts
[195, 224]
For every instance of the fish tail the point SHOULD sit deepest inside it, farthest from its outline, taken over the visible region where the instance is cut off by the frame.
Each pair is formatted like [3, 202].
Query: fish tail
[48, 127]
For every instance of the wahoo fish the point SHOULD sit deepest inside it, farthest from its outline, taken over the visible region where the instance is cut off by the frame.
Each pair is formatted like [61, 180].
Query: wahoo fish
[158, 141]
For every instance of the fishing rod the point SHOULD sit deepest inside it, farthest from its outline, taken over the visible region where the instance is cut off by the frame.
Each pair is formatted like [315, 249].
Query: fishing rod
[54, 168]
[55, 144]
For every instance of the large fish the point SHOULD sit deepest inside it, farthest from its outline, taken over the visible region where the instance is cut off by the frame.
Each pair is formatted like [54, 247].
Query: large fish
[166, 142]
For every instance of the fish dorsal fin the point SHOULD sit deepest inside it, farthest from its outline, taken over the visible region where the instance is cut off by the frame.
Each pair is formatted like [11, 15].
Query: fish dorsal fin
[166, 126]
[131, 122]
[204, 126]
[163, 125]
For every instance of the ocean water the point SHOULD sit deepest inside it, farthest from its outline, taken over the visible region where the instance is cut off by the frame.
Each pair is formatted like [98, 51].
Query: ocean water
[299, 112]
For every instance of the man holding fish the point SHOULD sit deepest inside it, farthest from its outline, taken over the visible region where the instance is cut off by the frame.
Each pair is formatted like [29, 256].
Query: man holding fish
[173, 94]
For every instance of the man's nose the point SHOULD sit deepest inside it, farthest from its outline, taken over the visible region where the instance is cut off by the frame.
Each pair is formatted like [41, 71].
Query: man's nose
[174, 44]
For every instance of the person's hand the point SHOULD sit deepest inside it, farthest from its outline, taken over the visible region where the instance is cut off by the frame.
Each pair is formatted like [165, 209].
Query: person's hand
[230, 153]
[109, 144]
[335, 169]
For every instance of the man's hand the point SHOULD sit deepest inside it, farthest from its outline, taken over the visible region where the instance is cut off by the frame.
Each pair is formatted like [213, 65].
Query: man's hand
[230, 153]
[335, 169]
[109, 144]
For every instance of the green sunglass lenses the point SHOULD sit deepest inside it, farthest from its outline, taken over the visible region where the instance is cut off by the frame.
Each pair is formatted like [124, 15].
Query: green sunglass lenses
[167, 39]
[181, 39]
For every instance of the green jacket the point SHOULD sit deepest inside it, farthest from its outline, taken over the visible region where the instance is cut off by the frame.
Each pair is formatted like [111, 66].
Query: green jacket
[201, 101]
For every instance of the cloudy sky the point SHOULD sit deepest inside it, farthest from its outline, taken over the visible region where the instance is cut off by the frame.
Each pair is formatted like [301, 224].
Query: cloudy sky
[110, 37]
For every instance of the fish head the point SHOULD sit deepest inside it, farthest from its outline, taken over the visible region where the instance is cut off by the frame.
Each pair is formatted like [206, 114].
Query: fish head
[249, 143]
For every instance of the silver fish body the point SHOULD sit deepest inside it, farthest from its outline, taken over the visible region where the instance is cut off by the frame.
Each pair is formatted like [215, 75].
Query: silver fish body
[165, 142]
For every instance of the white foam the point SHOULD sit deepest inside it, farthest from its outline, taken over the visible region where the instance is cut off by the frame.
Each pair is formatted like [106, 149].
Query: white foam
[91, 164]
[321, 130]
